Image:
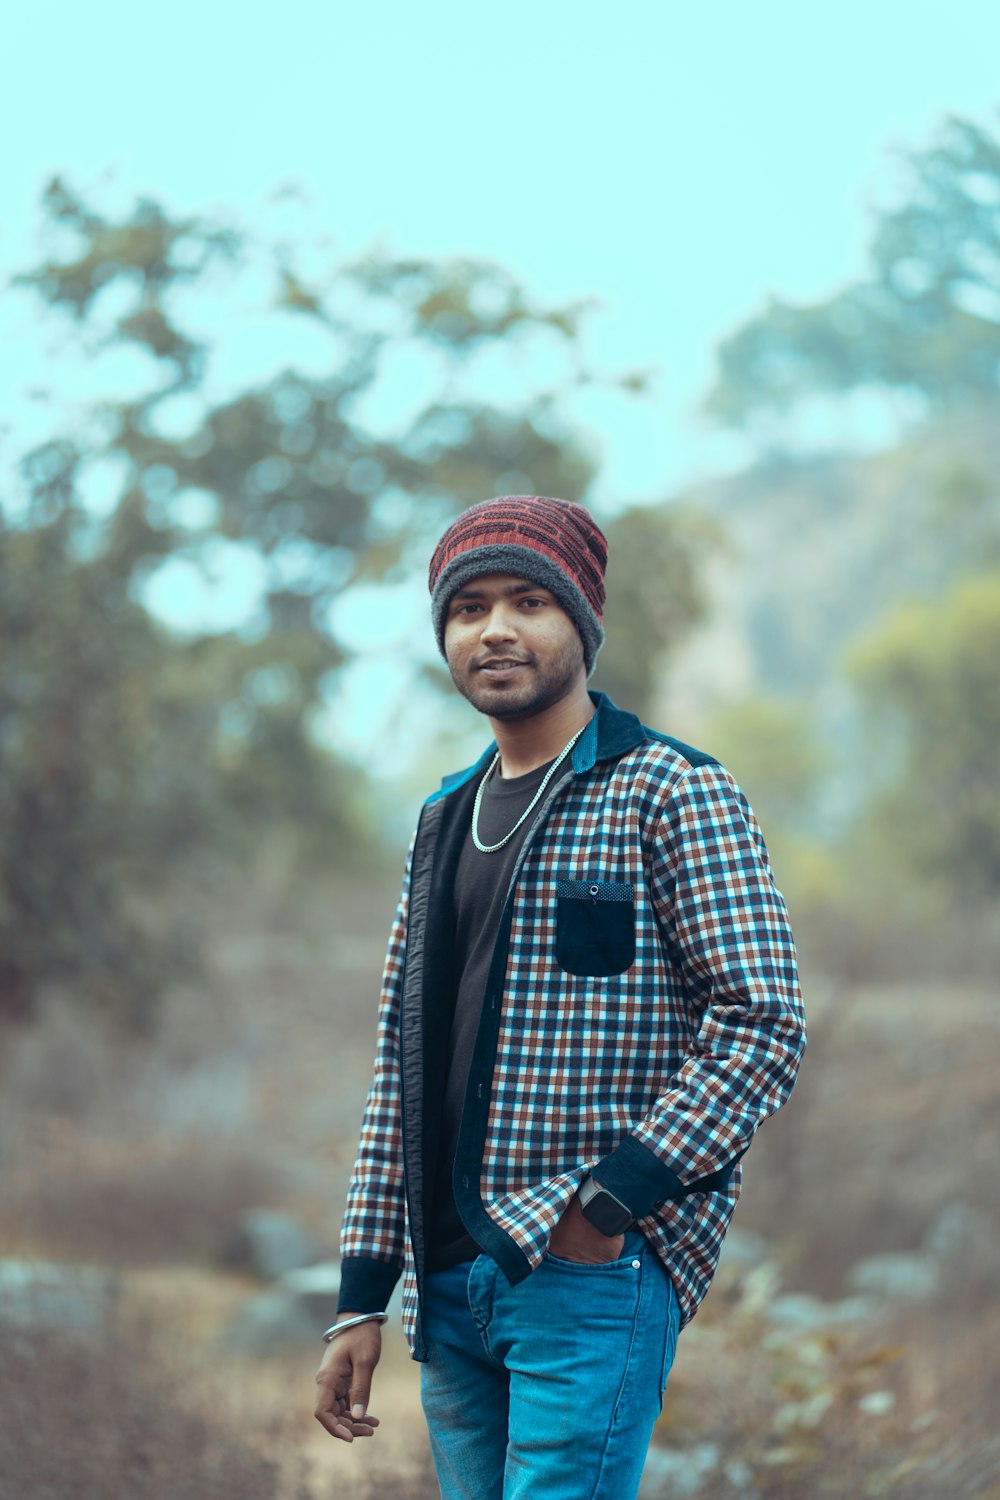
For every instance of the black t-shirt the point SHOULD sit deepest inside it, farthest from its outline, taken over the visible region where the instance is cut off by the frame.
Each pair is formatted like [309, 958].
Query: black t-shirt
[481, 882]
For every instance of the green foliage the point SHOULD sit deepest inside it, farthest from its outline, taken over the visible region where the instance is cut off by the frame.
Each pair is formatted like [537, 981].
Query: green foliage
[463, 304]
[886, 837]
[103, 749]
[787, 767]
[290, 805]
[655, 597]
[132, 762]
[926, 321]
[292, 468]
[771, 746]
[131, 757]
[966, 518]
[148, 251]
[929, 680]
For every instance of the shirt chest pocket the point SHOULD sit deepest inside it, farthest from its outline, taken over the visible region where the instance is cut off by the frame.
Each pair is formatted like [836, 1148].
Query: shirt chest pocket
[595, 927]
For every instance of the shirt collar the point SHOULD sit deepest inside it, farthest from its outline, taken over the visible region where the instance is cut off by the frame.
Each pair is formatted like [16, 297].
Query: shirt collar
[609, 734]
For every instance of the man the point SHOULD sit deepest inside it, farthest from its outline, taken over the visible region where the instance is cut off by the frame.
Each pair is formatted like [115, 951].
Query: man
[590, 1003]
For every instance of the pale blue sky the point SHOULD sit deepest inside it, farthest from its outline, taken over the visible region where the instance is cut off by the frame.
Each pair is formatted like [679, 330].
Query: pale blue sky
[677, 162]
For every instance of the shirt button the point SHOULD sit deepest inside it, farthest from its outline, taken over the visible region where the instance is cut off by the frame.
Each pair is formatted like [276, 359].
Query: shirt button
[636, 1264]
[465, 1183]
[594, 890]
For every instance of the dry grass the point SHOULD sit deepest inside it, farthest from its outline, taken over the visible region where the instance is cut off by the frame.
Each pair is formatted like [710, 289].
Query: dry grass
[252, 1096]
[887, 1127]
[157, 1409]
[111, 1420]
[120, 1203]
[86, 1421]
[876, 1408]
[888, 1124]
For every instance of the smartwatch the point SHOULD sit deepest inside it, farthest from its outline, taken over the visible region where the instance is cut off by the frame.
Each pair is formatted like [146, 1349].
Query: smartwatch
[606, 1212]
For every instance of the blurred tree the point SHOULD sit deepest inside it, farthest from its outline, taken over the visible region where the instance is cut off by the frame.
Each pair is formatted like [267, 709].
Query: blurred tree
[131, 762]
[293, 470]
[104, 750]
[964, 521]
[927, 321]
[772, 747]
[929, 679]
[655, 597]
[776, 752]
[129, 754]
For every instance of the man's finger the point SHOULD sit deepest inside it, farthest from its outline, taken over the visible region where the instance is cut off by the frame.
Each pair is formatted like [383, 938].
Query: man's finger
[331, 1402]
[335, 1425]
[345, 1428]
[337, 1421]
[365, 1428]
[361, 1387]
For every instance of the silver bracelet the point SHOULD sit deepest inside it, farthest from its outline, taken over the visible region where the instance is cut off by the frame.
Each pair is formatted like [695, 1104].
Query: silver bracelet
[331, 1333]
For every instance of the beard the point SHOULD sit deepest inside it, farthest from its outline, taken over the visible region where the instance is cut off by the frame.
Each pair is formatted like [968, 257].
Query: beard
[533, 688]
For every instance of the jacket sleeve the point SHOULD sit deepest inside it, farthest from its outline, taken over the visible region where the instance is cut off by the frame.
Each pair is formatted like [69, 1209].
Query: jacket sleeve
[726, 926]
[372, 1234]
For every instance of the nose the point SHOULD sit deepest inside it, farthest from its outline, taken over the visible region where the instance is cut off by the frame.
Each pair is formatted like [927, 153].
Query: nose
[499, 625]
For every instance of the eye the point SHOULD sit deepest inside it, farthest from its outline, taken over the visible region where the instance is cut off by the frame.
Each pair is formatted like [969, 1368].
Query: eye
[531, 602]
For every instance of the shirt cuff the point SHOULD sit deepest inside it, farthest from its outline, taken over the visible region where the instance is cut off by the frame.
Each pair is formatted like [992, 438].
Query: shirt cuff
[637, 1177]
[366, 1284]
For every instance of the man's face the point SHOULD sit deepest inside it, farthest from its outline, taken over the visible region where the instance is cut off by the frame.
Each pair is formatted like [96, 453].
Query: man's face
[511, 649]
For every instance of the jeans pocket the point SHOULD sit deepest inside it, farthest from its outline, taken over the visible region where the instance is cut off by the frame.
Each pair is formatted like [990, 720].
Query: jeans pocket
[633, 1248]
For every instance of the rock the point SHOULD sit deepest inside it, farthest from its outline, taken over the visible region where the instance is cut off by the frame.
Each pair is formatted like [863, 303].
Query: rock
[877, 1403]
[858, 1309]
[677, 1472]
[742, 1249]
[270, 1322]
[906, 1276]
[798, 1312]
[295, 1311]
[316, 1289]
[740, 1477]
[963, 1238]
[270, 1243]
[37, 1295]
[802, 1313]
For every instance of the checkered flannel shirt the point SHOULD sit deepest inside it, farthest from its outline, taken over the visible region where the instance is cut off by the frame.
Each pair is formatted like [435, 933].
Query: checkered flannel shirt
[655, 1077]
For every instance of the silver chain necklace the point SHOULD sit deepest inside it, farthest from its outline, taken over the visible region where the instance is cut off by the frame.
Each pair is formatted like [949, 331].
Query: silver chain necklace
[492, 848]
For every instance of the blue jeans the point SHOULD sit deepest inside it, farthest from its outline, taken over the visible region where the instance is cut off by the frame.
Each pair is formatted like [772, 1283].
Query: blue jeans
[548, 1389]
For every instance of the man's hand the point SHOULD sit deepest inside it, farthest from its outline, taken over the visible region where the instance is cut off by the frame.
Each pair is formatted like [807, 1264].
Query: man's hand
[344, 1379]
[575, 1238]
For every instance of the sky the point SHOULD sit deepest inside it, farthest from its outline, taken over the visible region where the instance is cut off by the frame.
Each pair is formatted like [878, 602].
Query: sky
[678, 164]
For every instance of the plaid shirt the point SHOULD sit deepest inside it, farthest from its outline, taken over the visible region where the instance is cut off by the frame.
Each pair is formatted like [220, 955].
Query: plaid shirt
[642, 1017]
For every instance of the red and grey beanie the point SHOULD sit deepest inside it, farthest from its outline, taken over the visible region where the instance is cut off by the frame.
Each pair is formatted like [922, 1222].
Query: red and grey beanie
[554, 543]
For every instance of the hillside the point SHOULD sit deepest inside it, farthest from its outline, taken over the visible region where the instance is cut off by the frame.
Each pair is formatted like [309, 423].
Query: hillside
[815, 551]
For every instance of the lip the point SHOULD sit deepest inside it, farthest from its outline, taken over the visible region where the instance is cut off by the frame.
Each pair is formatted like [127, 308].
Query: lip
[501, 666]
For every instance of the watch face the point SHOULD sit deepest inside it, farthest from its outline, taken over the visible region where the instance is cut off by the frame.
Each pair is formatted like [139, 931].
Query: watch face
[607, 1214]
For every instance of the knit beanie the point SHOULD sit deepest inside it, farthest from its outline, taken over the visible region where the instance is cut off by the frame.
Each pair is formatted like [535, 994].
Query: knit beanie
[554, 543]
